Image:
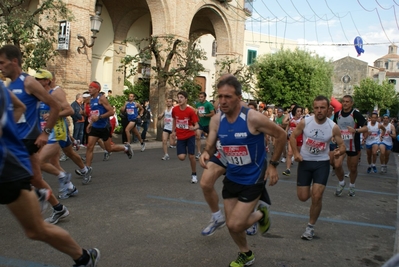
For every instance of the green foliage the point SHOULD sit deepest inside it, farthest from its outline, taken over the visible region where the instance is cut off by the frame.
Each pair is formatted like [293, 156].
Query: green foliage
[370, 94]
[297, 76]
[34, 32]
[245, 74]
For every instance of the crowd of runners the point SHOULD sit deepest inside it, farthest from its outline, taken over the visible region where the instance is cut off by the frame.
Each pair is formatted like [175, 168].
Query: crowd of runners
[245, 142]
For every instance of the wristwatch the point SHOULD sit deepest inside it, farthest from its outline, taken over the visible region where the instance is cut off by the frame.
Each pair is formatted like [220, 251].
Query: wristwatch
[47, 130]
[274, 163]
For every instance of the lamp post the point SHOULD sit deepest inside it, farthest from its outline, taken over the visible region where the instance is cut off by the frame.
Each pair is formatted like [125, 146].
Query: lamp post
[96, 21]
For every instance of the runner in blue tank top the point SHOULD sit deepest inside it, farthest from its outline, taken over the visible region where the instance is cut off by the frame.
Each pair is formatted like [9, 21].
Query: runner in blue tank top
[16, 191]
[99, 126]
[241, 133]
[134, 112]
[31, 92]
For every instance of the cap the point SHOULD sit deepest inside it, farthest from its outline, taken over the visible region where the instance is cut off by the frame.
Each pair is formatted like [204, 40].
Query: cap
[86, 95]
[43, 74]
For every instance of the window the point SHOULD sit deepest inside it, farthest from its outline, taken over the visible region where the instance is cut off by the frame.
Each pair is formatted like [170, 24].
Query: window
[386, 65]
[392, 81]
[251, 56]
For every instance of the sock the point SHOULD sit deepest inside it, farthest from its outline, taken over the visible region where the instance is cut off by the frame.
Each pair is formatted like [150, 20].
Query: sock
[84, 170]
[84, 259]
[105, 151]
[61, 175]
[70, 185]
[351, 185]
[217, 215]
[342, 182]
[58, 207]
[249, 253]
[310, 225]
[126, 149]
[373, 165]
[193, 173]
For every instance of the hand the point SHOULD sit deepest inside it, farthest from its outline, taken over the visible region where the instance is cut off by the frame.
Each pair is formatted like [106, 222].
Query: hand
[273, 174]
[351, 129]
[203, 159]
[88, 128]
[41, 140]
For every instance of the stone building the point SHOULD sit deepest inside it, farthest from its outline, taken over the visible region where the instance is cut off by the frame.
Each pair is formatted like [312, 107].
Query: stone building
[387, 67]
[348, 72]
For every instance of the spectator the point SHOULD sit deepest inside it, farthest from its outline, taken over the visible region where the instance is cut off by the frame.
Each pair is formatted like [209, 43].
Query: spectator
[86, 110]
[78, 118]
[146, 118]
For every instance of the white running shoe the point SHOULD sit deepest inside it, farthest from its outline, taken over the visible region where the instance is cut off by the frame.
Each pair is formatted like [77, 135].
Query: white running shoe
[194, 179]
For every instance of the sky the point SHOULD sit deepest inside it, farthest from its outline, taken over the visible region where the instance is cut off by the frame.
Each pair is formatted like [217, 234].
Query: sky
[329, 27]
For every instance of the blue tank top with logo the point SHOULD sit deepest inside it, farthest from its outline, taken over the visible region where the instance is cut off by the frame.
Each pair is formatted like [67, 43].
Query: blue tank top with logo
[28, 126]
[131, 111]
[12, 150]
[97, 109]
[244, 151]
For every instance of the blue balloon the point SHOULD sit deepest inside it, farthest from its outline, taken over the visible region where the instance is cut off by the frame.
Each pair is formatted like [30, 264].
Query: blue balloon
[359, 45]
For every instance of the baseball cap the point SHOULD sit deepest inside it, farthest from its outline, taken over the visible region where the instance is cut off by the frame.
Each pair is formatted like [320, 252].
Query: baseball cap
[43, 74]
[86, 94]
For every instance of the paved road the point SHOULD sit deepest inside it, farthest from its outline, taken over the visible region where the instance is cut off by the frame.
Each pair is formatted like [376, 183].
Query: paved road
[145, 212]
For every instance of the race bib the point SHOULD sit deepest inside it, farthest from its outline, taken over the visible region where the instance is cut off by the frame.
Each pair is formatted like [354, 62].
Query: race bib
[168, 121]
[201, 110]
[94, 112]
[182, 124]
[43, 125]
[130, 111]
[346, 135]
[373, 136]
[237, 155]
[315, 146]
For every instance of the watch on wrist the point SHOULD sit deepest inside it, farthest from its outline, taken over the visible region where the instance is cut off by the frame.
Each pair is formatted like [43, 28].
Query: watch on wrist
[47, 130]
[274, 163]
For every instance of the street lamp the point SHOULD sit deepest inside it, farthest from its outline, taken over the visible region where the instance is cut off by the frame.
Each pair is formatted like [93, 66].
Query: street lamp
[95, 28]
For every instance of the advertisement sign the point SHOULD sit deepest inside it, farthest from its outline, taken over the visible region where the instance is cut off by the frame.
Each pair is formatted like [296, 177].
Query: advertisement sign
[63, 35]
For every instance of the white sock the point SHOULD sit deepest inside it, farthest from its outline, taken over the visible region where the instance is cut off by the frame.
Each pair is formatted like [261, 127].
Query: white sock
[61, 175]
[84, 170]
[217, 215]
[70, 185]
[342, 182]
[351, 185]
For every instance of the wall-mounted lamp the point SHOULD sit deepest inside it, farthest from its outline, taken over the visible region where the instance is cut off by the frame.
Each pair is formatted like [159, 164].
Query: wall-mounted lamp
[96, 21]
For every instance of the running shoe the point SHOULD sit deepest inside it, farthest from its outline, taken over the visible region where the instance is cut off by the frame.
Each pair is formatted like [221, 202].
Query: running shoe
[339, 190]
[374, 169]
[308, 234]
[57, 215]
[87, 175]
[172, 146]
[213, 226]
[347, 175]
[166, 157]
[264, 222]
[63, 182]
[106, 156]
[43, 195]
[252, 230]
[129, 151]
[63, 157]
[68, 193]
[283, 160]
[198, 155]
[142, 147]
[369, 170]
[287, 172]
[94, 254]
[351, 191]
[243, 260]
[194, 179]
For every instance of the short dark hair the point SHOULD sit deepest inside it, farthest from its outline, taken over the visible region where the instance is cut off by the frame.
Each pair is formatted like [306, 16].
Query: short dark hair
[232, 81]
[321, 98]
[110, 91]
[293, 111]
[183, 93]
[11, 52]
[348, 96]
[202, 93]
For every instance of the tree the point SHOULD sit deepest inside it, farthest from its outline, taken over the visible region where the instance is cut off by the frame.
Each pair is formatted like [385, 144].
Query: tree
[177, 63]
[245, 74]
[32, 31]
[370, 94]
[297, 76]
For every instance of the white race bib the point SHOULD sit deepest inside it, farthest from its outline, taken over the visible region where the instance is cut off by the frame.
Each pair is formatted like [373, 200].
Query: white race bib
[237, 155]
